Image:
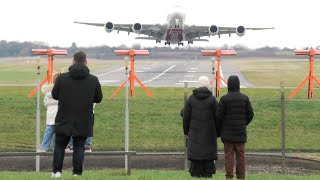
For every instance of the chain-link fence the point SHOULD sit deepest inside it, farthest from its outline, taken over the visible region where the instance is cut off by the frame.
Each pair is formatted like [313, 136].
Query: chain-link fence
[156, 133]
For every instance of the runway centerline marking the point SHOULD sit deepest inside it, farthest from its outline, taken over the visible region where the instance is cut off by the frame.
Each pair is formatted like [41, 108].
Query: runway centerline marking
[109, 81]
[161, 74]
[109, 72]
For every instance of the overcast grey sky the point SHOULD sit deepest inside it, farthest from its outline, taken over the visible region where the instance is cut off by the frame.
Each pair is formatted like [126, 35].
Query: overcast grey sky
[296, 22]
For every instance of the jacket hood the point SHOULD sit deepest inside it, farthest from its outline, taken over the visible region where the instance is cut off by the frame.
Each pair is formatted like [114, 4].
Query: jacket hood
[78, 71]
[202, 93]
[47, 88]
[233, 84]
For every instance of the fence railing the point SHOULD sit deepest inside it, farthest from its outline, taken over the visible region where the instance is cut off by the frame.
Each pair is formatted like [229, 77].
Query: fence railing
[156, 125]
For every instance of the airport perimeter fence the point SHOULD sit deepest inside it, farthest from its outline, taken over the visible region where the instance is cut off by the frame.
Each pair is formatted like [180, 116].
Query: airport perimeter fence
[156, 133]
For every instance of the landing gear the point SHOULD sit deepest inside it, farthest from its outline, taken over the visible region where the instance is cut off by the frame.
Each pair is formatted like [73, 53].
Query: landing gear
[158, 41]
[190, 42]
[180, 43]
[165, 43]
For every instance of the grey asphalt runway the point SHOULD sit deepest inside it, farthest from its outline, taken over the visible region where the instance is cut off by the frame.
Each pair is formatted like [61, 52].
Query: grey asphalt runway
[168, 73]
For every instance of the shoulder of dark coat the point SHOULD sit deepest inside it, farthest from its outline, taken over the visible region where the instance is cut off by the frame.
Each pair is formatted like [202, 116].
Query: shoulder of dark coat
[93, 77]
[244, 96]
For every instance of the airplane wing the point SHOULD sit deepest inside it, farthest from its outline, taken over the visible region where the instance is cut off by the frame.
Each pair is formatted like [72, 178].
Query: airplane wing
[156, 31]
[193, 32]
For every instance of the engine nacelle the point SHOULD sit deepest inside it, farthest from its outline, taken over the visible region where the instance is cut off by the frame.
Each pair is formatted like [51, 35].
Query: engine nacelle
[136, 28]
[213, 30]
[108, 27]
[241, 30]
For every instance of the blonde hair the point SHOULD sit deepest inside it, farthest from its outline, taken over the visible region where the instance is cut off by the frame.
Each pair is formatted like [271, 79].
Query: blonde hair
[55, 74]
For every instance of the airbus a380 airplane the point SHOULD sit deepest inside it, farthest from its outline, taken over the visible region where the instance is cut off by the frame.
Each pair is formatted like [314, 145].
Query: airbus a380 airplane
[175, 31]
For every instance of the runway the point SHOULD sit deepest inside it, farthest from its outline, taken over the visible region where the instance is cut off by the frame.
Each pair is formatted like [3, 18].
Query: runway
[170, 73]
[163, 73]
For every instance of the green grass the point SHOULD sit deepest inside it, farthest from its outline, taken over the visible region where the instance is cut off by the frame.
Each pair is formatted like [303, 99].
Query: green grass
[23, 70]
[156, 125]
[141, 175]
[269, 72]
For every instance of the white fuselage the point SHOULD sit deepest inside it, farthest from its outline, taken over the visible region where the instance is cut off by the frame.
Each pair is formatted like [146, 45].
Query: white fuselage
[175, 27]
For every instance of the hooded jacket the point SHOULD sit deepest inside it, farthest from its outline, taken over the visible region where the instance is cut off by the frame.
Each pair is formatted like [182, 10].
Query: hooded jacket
[199, 124]
[50, 103]
[234, 113]
[76, 92]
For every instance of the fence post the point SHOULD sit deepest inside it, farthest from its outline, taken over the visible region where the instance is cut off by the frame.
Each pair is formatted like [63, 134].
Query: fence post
[129, 165]
[185, 138]
[38, 118]
[126, 122]
[283, 128]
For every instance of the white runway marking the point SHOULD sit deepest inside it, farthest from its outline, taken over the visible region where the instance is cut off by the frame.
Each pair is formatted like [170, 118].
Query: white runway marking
[187, 81]
[192, 71]
[145, 68]
[110, 72]
[109, 81]
[160, 74]
[139, 71]
[189, 75]
[194, 68]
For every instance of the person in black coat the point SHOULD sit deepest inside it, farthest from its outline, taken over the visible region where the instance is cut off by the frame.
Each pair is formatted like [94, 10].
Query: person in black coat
[234, 113]
[76, 91]
[200, 127]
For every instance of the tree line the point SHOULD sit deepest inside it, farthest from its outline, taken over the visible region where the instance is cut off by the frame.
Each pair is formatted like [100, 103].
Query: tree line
[23, 49]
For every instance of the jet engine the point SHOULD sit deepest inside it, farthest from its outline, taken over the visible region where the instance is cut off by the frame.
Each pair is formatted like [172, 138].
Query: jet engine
[241, 30]
[108, 27]
[213, 30]
[136, 28]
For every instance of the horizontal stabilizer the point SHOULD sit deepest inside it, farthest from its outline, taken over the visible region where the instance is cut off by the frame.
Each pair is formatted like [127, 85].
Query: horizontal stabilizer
[206, 40]
[146, 38]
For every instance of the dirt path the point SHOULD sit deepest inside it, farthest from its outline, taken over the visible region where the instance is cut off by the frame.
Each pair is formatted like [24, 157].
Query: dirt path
[255, 164]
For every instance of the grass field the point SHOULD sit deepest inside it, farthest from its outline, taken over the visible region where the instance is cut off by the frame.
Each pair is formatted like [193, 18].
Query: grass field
[155, 124]
[140, 175]
[23, 70]
[268, 72]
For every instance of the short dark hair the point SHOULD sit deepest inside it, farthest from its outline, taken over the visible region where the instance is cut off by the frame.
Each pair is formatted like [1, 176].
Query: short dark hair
[80, 57]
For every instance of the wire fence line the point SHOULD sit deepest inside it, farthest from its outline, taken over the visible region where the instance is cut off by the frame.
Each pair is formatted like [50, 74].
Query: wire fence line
[156, 129]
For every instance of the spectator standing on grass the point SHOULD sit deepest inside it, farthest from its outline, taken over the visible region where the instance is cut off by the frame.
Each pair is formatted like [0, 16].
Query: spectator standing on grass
[234, 113]
[76, 92]
[200, 127]
[52, 108]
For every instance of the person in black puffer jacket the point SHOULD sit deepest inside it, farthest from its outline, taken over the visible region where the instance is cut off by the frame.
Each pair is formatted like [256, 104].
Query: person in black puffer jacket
[200, 127]
[76, 92]
[234, 113]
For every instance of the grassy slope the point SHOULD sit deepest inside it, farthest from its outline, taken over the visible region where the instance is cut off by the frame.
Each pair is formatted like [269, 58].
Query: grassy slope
[23, 70]
[155, 125]
[268, 72]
